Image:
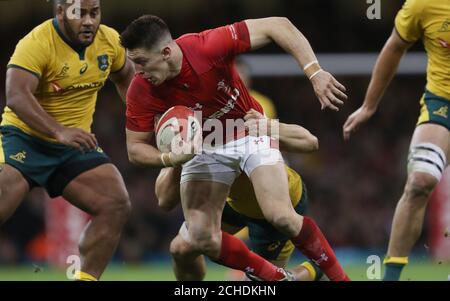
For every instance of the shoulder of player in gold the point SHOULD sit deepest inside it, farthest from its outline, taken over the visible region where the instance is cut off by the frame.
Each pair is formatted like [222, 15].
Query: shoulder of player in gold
[69, 78]
[429, 20]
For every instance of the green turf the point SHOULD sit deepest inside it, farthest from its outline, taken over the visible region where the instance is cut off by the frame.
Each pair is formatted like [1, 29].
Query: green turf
[416, 271]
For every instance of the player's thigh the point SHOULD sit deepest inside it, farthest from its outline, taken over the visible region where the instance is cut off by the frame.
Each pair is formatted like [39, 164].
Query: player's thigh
[203, 202]
[98, 189]
[13, 189]
[432, 133]
[270, 183]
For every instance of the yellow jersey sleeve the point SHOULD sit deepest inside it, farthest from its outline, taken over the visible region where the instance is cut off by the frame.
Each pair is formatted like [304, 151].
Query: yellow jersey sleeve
[408, 20]
[31, 54]
[120, 58]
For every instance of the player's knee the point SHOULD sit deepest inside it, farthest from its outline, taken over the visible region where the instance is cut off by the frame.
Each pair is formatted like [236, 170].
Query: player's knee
[284, 222]
[118, 206]
[179, 249]
[206, 242]
[426, 162]
[420, 185]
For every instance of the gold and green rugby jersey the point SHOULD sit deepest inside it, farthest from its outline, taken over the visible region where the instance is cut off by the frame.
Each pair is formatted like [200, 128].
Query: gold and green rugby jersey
[429, 20]
[242, 197]
[69, 78]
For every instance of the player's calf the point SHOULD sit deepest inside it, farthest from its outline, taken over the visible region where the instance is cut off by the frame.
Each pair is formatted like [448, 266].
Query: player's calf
[100, 192]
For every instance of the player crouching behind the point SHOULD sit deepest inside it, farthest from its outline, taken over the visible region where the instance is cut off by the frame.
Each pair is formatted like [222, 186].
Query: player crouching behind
[242, 210]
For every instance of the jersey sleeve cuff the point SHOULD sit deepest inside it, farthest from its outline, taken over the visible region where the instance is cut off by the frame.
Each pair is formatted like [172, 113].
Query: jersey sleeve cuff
[402, 37]
[24, 69]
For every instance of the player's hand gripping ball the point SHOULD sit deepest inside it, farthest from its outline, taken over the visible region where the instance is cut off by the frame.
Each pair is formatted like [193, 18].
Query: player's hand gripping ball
[178, 131]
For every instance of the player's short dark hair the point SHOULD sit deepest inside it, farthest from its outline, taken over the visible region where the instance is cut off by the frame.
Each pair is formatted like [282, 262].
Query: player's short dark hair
[146, 31]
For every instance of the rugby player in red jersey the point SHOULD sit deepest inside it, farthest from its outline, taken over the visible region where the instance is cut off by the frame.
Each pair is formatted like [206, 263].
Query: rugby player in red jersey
[198, 71]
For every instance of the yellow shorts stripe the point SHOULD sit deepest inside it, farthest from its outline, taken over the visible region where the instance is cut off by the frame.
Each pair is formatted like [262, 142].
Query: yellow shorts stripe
[424, 114]
[2, 153]
[398, 260]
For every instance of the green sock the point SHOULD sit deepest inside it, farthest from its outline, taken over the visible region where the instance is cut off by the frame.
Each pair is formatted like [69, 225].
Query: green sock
[393, 271]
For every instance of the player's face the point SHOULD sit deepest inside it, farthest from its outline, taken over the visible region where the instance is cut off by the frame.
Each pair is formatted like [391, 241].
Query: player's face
[81, 25]
[152, 65]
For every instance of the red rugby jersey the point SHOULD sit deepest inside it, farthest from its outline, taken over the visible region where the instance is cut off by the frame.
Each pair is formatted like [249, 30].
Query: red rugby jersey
[208, 81]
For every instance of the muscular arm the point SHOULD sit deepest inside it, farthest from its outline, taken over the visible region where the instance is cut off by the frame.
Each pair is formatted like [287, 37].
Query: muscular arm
[385, 69]
[292, 137]
[20, 88]
[383, 72]
[281, 31]
[140, 152]
[296, 139]
[122, 79]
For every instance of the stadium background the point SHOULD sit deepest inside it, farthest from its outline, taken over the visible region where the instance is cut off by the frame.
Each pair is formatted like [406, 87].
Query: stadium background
[353, 186]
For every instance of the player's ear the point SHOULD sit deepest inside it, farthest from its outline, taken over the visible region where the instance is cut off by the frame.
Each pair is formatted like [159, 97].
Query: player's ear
[166, 52]
[59, 10]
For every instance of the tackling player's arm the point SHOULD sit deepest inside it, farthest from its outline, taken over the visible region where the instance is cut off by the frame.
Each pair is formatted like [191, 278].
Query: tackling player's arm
[122, 79]
[383, 72]
[281, 31]
[20, 88]
[292, 137]
[297, 139]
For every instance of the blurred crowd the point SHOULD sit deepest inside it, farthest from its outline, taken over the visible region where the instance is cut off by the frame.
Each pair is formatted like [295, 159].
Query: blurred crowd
[353, 186]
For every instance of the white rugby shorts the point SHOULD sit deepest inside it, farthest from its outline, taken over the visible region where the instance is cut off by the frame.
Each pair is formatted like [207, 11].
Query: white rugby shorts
[224, 163]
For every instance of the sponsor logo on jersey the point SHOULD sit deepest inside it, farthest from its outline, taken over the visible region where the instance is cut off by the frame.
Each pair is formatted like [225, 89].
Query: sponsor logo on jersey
[233, 95]
[84, 68]
[19, 157]
[442, 111]
[63, 73]
[56, 87]
[444, 43]
[445, 26]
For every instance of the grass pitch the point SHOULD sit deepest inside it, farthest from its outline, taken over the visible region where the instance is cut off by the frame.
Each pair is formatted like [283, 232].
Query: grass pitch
[427, 271]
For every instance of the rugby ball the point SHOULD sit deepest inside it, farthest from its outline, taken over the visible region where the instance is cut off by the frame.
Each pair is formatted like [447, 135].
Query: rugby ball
[177, 122]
